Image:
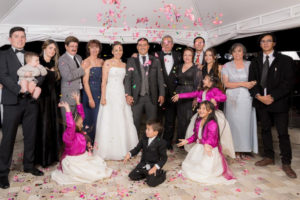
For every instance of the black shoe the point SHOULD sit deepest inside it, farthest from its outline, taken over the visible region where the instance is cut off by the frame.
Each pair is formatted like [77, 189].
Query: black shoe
[34, 171]
[4, 184]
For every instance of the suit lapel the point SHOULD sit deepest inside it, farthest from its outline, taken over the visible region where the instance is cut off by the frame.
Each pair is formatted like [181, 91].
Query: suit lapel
[274, 61]
[261, 63]
[176, 60]
[151, 58]
[15, 59]
[162, 60]
[138, 65]
[71, 61]
[153, 142]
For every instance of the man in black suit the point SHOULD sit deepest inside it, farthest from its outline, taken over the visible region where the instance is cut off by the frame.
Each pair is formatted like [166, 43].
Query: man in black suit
[144, 83]
[169, 60]
[273, 73]
[154, 156]
[17, 108]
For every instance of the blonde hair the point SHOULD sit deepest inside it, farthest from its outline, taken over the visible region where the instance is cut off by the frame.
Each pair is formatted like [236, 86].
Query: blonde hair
[29, 55]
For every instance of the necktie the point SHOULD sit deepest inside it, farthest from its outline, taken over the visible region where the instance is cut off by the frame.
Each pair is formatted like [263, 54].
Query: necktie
[144, 59]
[146, 67]
[264, 75]
[76, 62]
[167, 54]
[198, 59]
[19, 51]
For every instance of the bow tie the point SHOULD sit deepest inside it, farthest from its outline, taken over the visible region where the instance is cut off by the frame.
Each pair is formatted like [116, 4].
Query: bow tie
[167, 54]
[19, 51]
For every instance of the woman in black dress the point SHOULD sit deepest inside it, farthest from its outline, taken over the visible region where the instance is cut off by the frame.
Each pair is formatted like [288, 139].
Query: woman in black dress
[49, 130]
[211, 66]
[187, 82]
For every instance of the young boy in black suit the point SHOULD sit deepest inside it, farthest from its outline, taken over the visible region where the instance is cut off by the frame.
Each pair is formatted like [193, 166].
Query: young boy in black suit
[154, 156]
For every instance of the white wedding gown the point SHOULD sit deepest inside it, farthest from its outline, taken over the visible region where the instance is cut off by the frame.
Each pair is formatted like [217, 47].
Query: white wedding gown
[115, 130]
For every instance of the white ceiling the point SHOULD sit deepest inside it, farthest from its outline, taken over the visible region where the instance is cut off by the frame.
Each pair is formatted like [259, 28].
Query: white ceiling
[58, 18]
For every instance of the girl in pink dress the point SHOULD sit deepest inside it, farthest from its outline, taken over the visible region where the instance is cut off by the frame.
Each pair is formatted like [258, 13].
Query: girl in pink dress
[77, 164]
[205, 162]
[211, 93]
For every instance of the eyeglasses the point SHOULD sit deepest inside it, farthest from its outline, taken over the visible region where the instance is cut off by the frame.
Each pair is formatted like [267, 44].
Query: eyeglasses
[266, 41]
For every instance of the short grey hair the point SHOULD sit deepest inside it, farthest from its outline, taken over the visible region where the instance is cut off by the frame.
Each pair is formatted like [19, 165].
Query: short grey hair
[235, 45]
[167, 36]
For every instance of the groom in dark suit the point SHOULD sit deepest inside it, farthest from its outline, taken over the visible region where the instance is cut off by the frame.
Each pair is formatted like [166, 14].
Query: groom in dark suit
[144, 83]
[274, 75]
[17, 108]
[169, 60]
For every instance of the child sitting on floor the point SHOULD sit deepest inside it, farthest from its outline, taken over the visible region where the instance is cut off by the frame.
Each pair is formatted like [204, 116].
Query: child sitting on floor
[205, 162]
[77, 164]
[154, 156]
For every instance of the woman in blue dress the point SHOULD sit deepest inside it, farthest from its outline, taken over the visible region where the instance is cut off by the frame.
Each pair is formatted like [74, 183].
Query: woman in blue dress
[238, 106]
[92, 86]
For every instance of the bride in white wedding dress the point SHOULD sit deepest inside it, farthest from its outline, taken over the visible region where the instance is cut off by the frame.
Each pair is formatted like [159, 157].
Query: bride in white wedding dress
[115, 130]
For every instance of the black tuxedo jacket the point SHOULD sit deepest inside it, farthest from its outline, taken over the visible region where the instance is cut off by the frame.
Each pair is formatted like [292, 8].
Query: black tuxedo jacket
[170, 80]
[9, 65]
[155, 153]
[279, 82]
[133, 79]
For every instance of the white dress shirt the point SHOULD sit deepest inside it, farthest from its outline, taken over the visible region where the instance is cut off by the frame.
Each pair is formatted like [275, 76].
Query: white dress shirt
[141, 58]
[271, 58]
[200, 58]
[169, 62]
[149, 142]
[148, 166]
[20, 56]
[81, 86]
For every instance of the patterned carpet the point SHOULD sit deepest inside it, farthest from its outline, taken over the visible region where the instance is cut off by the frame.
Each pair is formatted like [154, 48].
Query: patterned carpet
[252, 182]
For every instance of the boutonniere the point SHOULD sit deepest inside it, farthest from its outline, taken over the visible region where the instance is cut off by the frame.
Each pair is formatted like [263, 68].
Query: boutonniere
[130, 69]
[275, 69]
[148, 63]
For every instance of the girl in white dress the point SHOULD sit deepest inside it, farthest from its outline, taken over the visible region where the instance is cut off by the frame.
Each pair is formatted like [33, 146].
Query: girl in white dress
[210, 92]
[115, 130]
[77, 164]
[205, 162]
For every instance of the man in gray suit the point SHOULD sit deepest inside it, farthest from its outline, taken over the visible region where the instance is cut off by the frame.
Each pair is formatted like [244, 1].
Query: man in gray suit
[144, 83]
[69, 65]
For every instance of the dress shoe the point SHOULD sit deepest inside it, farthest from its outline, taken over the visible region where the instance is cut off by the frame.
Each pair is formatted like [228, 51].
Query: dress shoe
[4, 184]
[265, 162]
[34, 171]
[289, 171]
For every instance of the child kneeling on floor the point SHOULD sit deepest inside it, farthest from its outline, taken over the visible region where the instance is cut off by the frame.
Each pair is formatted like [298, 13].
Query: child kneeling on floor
[77, 164]
[154, 156]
